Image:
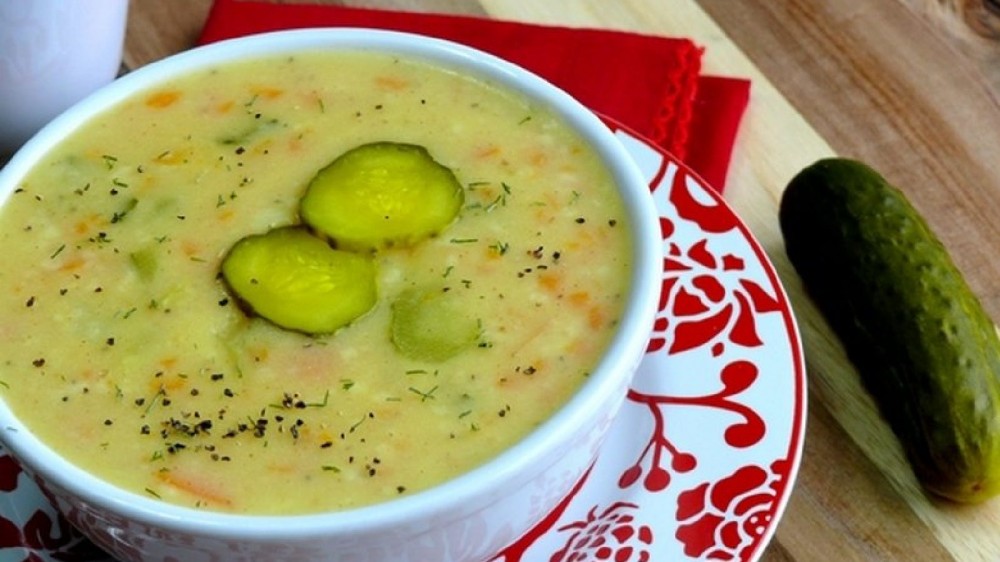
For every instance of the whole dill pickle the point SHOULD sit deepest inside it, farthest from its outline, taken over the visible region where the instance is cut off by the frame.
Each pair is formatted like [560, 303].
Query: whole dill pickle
[923, 345]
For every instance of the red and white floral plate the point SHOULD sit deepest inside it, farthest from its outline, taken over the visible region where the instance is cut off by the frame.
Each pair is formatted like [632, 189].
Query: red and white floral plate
[701, 461]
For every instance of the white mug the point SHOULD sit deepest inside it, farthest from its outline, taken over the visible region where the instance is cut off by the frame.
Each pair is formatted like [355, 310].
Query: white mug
[52, 54]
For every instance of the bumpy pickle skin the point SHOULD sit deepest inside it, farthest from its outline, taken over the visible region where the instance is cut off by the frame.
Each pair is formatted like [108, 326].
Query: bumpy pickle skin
[298, 282]
[432, 325]
[922, 343]
[380, 195]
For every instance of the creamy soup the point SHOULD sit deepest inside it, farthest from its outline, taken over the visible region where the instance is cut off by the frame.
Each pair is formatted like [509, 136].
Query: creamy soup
[122, 347]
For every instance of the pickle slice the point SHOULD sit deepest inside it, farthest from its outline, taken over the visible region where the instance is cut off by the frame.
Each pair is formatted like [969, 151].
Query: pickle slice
[299, 282]
[432, 325]
[382, 194]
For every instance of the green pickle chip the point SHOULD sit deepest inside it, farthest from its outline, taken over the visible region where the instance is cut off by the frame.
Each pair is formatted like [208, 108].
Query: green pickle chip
[432, 325]
[380, 195]
[299, 282]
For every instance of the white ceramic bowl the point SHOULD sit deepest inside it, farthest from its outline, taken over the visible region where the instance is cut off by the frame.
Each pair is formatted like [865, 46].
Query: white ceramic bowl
[469, 518]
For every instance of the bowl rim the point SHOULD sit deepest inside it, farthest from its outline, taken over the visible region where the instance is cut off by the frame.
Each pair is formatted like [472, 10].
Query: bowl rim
[512, 465]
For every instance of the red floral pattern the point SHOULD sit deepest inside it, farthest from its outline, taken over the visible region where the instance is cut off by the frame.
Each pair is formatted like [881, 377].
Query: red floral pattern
[726, 520]
[613, 535]
[45, 535]
[9, 473]
[747, 429]
[705, 301]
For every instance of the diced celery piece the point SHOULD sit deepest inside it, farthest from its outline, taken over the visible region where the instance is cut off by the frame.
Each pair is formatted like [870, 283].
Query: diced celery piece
[432, 325]
[145, 263]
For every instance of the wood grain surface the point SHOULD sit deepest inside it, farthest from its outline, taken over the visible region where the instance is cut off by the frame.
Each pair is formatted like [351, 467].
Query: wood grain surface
[910, 86]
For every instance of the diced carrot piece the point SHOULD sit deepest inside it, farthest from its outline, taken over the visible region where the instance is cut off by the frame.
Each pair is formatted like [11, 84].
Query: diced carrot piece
[173, 382]
[549, 281]
[190, 248]
[579, 298]
[391, 83]
[267, 92]
[163, 99]
[85, 225]
[260, 353]
[487, 151]
[595, 317]
[198, 488]
[74, 263]
[538, 158]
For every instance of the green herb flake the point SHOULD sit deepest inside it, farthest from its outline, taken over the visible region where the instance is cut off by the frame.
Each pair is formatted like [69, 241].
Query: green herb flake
[323, 404]
[160, 394]
[500, 201]
[424, 396]
[120, 215]
[500, 248]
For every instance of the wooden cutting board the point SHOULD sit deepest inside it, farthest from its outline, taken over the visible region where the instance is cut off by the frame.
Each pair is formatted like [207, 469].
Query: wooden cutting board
[907, 87]
[910, 86]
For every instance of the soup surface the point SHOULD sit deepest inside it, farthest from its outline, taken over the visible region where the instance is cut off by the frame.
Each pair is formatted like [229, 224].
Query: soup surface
[122, 347]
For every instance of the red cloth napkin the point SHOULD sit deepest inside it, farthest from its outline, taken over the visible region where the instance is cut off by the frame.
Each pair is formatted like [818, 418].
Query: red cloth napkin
[650, 84]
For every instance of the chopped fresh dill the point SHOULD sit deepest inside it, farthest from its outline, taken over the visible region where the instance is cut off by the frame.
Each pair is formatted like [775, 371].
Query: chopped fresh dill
[323, 404]
[424, 396]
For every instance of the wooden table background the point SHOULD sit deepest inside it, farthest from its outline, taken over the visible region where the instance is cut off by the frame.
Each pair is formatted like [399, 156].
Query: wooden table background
[909, 86]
